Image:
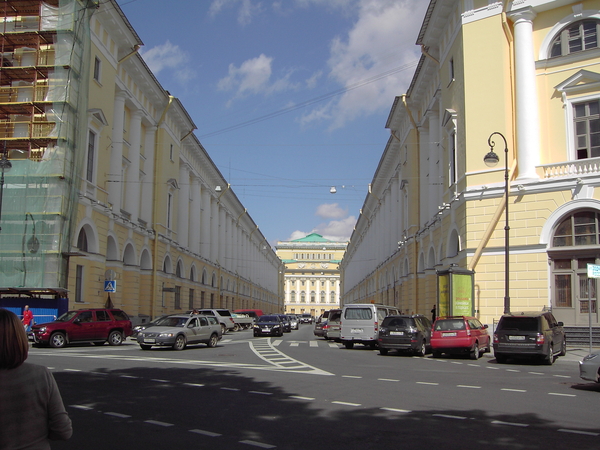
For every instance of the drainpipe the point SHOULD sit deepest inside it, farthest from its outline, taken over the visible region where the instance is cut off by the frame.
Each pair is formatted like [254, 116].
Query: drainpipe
[129, 55]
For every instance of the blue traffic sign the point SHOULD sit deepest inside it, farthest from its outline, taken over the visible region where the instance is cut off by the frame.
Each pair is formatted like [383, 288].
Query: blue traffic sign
[110, 286]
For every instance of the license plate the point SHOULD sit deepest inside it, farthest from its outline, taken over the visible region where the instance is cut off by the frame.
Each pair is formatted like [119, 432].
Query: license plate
[448, 334]
[397, 333]
[356, 330]
[150, 341]
[516, 338]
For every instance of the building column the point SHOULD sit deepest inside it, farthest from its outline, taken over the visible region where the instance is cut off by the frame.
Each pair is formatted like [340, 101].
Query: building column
[147, 191]
[205, 235]
[528, 134]
[132, 188]
[115, 180]
[214, 231]
[183, 205]
[195, 216]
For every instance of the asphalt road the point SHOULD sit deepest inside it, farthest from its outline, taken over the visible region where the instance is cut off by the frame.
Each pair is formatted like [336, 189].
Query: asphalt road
[302, 392]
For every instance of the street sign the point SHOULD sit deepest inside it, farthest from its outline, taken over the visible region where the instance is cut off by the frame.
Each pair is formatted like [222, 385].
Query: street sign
[110, 286]
[593, 271]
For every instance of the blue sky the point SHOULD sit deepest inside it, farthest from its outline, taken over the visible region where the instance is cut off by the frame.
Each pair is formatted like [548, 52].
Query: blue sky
[290, 97]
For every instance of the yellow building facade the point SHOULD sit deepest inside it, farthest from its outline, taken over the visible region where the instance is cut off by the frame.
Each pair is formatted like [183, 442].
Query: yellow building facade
[311, 281]
[142, 210]
[519, 78]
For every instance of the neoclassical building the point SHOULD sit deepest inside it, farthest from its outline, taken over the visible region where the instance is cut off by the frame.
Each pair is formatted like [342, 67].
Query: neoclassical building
[526, 72]
[312, 277]
[108, 182]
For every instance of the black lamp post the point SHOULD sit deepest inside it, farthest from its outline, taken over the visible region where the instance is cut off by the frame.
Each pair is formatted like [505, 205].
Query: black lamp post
[5, 166]
[491, 159]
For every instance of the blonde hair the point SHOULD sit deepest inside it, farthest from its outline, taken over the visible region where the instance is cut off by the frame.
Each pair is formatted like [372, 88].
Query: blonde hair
[14, 344]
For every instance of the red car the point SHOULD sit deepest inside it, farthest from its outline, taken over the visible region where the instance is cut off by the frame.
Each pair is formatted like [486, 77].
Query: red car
[459, 334]
[85, 325]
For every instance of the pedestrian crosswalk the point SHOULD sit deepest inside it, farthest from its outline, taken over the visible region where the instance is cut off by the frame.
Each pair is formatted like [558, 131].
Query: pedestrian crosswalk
[283, 343]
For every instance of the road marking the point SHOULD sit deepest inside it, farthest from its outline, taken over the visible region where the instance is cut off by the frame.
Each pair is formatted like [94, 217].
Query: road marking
[298, 397]
[193, 384]
[492, 368]
[122, 416]
[456, 362]
[230, 389]
[514, 390]
[561, 395]
[447, 416]
[257, 444]
[350, 376]
[332, 345]
[159, 381]
[397, 410]
[561, 376]
[84, 407]
[276, 342]
[266, 351]
[128, 376]
[474, 365]
[205, 433]
[294, 344]
[346, 403]
[468, 387]
[514, 424]
[260, 393]
[587, 433]
[512, 370]
[159, 423]
[428, 384]
[72, 370]
[387, 379]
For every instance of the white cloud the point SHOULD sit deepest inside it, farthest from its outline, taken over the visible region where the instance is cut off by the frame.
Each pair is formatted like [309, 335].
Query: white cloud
[375, 60]
[169, 56]
[246, 12]
[337, 230]
[331, 211]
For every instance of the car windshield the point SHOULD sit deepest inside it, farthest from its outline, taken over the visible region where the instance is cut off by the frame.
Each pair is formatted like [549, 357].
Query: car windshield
[268, 319]
[171, 322]
[450, 325]
[519, 323]
[66, 317]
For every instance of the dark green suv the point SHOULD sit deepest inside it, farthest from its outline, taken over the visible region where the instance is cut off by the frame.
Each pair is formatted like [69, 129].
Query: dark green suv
[530, 334]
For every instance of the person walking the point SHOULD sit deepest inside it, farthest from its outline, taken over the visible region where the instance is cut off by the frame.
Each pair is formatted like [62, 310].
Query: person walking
[27, 318]
[31, 408]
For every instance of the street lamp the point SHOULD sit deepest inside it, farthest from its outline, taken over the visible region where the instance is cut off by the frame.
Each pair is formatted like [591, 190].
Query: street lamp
[5, 166]
[491, 159]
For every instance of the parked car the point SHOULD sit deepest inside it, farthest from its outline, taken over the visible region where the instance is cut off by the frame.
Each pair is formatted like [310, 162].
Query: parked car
[529, 334]
[287, 324]
[459, 334]
[85, 325]
[589, 367]
[223, 316]
[242, 321]
[306, 318]
[178, 331]
[360, 323]
[294, 322]
[334, 323]
[135, 330]
[405, 333]
[321, 329]
[254, 313]
[270, 325]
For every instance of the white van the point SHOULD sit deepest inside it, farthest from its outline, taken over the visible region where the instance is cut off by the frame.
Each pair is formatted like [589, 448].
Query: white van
[360, 323]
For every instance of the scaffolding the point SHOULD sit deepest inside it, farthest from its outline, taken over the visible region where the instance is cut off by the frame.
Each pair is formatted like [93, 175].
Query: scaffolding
[44, 51]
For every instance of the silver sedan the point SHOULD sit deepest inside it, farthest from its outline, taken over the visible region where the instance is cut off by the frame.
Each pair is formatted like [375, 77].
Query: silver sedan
[179, 331]
[589, 367]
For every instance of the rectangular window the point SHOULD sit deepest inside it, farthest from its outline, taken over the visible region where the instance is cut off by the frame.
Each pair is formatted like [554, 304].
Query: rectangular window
[562, 285]
[89, 172]
[97, 69]
[191, 299]
[169, 206]
[177, 297]
[452, 176]
[79, 284]
[587, 129]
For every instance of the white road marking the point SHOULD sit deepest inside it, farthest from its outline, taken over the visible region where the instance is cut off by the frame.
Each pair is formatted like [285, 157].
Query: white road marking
[230, 389]
[561, 376]
[536, 373]
[514, 390]
[313, 344]
[561, 395]
[345, 403]
[84, 407]
[427, 383]
[298, 397]
[260, 393]
[194, 384]
[159, 423]
[397, 410]
[587, 433]
[115, 414]
[257, 444]
[387, 379]
[72, 370]
[448, 416]
[468, 387]
[205, 433]
[350, 376]
[514, 424]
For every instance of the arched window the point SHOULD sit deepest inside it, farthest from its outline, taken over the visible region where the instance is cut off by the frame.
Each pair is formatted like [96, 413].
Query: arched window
[577, 37]
[322, 296]
[82, 242]
[293, 297]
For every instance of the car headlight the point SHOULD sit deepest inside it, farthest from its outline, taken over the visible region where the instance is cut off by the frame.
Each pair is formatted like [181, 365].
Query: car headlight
[590, 357]
[276, 326]
[255, 326]
[42, 329]
[165, 335]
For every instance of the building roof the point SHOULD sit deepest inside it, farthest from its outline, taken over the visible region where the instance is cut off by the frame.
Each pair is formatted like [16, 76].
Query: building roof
[312, 237]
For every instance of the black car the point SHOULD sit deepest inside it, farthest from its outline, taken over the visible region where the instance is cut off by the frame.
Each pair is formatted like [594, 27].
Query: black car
[405, 333]
[287, 323]
[529, 334]
[269, 325]
[306, 318]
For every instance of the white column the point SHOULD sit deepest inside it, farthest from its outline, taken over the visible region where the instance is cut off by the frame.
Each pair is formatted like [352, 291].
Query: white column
[205, 235]
[132, 188]
[115, 182]
[183, 205]
[195, 216]
[434, 177]
[148, 186]
[528, 134]
[222, 248]
[214, 230]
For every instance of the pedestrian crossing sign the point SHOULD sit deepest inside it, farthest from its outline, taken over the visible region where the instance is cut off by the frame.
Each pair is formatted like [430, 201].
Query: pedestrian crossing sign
[110, 286]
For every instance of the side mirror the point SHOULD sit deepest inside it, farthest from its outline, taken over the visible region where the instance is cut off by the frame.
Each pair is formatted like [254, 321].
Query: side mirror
[485, 326]
[560, 324]
[77, 321]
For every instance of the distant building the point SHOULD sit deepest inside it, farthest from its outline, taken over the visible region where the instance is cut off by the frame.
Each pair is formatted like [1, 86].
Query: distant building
[312, 276]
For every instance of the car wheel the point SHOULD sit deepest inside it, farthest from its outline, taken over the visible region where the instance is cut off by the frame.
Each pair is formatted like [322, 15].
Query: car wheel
[115, 338]
[236, 327]
[422, 349]
[280, 333]
[549, 359]
[501, 359]
[58, 340]
[180, 342]
[475, 351]
[383, 351]
[212, 342]
[223, 329]
[563, 349]
[349, 345]
[145, 347]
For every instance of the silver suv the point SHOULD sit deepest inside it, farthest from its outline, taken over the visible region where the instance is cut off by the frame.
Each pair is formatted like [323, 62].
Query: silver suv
[223, 316]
